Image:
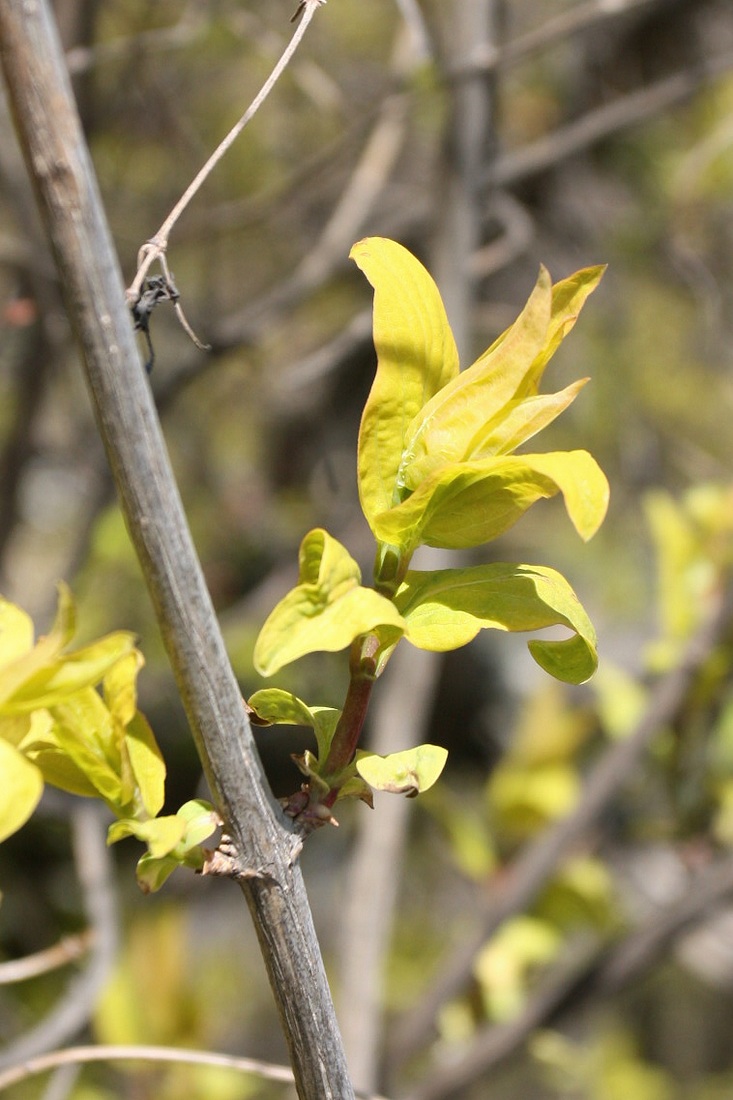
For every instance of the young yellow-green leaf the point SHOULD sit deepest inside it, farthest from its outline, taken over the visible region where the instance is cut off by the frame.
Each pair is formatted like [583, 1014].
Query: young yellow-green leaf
[442, 432]
[520, 420]
[29, 659]
[41, 746]
[356, 787]
[14, 727]
[416, 356]
[120, 687]
[469, 503]
[146, 760]
[16, 633]
[63, 676]
[21, 787]
[277, 707]
[409, 772]
[447, 608]
[151, 873]
[86, 731]
[325, 611]
[200, 821]
[161, 834]
[273, 705]
[568, 298]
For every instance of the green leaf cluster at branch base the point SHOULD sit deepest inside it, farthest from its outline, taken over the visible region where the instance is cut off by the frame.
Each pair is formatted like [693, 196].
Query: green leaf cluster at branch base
[57, 728]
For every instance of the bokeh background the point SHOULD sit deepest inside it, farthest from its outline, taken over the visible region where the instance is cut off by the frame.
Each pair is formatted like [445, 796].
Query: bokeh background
[488, 136]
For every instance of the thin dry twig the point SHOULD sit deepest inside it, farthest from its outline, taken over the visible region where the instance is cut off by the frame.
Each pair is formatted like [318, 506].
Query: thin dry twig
[155, 248]
[66, 951]
[72, 1011]
[270, 1071]
[107, 1053]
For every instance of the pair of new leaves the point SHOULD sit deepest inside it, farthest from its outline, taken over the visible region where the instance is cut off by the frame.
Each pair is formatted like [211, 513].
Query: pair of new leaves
[435, 467]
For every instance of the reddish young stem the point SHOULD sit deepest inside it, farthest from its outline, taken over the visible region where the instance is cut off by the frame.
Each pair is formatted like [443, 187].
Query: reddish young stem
[351, 722]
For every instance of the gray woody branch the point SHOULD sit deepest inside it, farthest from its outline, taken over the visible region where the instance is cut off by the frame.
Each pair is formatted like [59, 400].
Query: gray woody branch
[58, 162]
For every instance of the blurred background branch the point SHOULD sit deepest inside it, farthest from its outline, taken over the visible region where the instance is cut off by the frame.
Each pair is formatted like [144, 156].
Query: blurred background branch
[488, 138]
[74, 1009]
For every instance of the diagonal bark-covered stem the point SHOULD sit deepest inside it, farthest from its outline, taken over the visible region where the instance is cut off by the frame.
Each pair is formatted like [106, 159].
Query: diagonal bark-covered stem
[59, 165]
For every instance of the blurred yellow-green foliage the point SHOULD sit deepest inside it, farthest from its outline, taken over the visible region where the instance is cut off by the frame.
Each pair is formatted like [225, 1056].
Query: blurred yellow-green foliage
[262, 433]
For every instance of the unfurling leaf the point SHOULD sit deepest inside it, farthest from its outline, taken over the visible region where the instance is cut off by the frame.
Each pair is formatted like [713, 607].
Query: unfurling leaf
[146, 760]
[468, 503]
[16, 633]
[326, 611]
[71, 736]
[152, 873]
[85, 731]
[449, 427]
[416, 355]
[161, 834]
[41, 682]
[409, 772]
[432, 458]
[447, 608]
[273, 706]
[201, 819]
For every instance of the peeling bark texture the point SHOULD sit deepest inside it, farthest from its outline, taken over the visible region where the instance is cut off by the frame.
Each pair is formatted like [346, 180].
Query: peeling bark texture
[58, 162]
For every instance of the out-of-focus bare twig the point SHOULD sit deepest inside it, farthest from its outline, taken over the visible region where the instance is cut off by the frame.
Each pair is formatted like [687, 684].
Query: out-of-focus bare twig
[602, 122]
[590, 972]
[578, 18]
[82, 1055]
[66, 951]
[401, 713]
[72, 1012]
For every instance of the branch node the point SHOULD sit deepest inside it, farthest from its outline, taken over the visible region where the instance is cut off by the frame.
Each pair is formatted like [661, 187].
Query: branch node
[225, 860]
